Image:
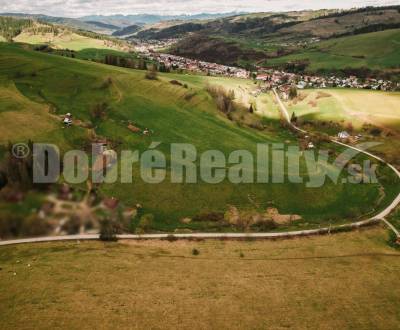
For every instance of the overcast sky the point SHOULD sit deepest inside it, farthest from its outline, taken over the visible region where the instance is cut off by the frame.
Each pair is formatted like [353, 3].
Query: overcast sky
[76, 8]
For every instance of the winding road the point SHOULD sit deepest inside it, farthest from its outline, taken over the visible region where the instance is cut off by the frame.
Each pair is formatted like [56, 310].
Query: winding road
[381, 216]
[327, 230]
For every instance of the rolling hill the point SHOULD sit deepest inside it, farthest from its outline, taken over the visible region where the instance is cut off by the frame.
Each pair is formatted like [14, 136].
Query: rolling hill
[34, 31]
[373, 51]
[36, 83]
[276, 35]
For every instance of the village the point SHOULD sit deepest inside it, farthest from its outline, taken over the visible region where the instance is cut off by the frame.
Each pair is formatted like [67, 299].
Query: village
[267, 77]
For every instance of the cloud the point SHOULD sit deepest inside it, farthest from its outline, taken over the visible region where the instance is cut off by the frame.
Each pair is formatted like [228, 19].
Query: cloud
[76, 8]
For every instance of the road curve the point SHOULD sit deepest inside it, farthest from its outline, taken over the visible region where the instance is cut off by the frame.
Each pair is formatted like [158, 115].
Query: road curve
[396, 201]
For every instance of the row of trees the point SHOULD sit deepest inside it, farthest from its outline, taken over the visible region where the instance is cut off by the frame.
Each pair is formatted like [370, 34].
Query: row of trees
[133, 63]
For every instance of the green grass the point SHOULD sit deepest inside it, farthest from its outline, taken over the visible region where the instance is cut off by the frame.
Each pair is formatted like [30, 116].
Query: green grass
[346, 106]
[358, 108]
[31, 82]
[378, 50]
[69, 40]
[343, 281]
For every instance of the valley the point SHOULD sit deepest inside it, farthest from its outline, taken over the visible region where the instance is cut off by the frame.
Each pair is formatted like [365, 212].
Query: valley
[188, 165]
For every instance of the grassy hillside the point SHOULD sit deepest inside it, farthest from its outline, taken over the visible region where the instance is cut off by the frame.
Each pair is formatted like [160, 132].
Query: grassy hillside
[32, 83]
[346, 281]
[266, 38]
[378, 50]
[56, 36]
[332, 110]
[66, 40]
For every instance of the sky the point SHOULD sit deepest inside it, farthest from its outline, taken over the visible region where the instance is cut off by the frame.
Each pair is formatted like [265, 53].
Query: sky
[77, 8]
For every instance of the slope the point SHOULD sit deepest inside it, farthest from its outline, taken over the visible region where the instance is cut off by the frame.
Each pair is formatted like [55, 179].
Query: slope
[175, 114]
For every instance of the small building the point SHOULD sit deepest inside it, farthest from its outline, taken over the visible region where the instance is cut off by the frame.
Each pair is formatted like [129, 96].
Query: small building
[343, 135]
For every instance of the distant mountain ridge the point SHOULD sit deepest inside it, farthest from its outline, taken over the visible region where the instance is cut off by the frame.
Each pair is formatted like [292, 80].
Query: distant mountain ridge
[126, 20]
[70, 22]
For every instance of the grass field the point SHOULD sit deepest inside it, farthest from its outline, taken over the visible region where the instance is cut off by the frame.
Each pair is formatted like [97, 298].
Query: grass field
[353, 106]
[378, 50]
[346, 281]
[66, 40]
[32, 82]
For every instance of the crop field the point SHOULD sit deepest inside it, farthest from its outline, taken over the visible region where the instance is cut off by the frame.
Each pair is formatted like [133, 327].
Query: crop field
[37, 88]
[373, 50]
[346, 281]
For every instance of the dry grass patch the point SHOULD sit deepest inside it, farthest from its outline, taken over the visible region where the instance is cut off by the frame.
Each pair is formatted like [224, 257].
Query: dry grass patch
[343, 281]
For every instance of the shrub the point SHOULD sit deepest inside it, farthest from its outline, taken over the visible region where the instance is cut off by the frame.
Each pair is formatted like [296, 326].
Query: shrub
[292, 92]
[107, 83]
[99, 111]
[223, 98]
[151, 75]
[195, 252]
[175, 82]
[209, 216]
[10, 226]
[108, 231]
[72, 226]
[375, 131]
[35, 226]
[171, 238]
[146, 222]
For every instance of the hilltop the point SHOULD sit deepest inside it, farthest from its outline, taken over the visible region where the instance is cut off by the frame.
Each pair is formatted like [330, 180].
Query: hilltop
[33, 31]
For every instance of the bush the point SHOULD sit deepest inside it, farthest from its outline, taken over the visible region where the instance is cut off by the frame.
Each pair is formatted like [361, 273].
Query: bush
[195, 252]
[108, 231]
[99, 111]
[175, 82]
[223, 98]
[292, 92]
[10, 226]
[171, 238]
[35, 226]
[209, 216]
[72, 226]
[151, 75]
[146, 222]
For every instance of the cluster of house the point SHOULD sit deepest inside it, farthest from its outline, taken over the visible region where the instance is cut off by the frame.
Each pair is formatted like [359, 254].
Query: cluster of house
[271, 78]
[149, 46]
[275, 79]
[174, 62]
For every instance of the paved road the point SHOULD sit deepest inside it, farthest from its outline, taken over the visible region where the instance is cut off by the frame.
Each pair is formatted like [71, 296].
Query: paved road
[396, 201]
[289, 234]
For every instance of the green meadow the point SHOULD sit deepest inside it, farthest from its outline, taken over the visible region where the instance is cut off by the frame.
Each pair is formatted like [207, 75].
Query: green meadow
[378, 50]
[35, 88]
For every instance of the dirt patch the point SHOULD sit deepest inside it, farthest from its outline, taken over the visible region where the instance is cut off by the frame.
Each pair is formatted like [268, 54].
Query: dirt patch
[133, 128]
[322, 95]
[246, 219]
[313, 104]
[281, 219]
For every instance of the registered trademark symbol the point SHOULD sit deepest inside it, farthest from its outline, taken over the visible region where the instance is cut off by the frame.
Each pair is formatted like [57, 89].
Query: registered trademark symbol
[20, 150]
